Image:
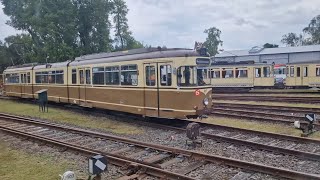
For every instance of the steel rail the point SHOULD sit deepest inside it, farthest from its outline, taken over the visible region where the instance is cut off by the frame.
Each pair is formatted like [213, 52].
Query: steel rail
[257, 167]
[259, 116]
[118, 160]
[268, 107]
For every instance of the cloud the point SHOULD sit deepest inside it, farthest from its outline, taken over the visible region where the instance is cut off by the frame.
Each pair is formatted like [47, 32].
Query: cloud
[244, 23]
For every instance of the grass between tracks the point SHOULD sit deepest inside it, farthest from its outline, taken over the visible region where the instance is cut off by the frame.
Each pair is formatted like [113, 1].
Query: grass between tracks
[269, 103]
[20, 165]
[69, 117]
[258, 126]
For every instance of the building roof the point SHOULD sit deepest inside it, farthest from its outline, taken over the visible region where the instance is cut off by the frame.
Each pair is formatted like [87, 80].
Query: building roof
[265, 51]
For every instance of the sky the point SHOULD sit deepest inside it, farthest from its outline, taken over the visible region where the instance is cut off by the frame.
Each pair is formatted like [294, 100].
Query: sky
[243, 23]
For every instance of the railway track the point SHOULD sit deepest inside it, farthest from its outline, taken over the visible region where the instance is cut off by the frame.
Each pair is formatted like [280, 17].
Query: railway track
[282, 109]
[264, 113]
[156, 160]
[308, 100]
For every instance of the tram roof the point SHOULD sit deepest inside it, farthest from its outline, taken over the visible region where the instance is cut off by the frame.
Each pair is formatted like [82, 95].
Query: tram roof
[137, 54]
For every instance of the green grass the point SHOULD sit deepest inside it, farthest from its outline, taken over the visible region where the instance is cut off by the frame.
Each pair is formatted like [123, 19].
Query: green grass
[269, 103]
[69, 117]
[258, 126]
[18, 165]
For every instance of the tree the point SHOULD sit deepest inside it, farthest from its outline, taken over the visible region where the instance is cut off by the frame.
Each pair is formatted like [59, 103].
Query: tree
[21, 49]
[267, 45]
[123, 36]
[313, 31]
[311, 35]
[213, 40]
[292, 39]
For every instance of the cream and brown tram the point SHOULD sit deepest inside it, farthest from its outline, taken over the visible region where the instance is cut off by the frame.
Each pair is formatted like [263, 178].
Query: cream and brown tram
[149, 82]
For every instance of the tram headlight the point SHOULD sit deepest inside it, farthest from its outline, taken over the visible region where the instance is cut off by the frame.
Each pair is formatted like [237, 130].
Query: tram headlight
[206, 101]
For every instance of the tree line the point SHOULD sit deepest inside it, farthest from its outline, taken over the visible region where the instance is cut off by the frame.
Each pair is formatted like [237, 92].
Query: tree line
[59, 30]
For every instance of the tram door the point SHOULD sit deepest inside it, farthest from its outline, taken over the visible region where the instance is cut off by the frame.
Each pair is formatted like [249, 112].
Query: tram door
[85, 81]
[302, 76]
[151, 91]
[23, 82]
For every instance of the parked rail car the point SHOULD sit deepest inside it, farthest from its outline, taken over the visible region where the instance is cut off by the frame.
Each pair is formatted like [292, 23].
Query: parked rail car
[148, 82]
[303, 75]
[241, 76]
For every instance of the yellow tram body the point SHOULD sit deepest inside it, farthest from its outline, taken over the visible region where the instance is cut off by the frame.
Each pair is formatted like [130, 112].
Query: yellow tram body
[150, 83]
[241, 75]
[303, 75]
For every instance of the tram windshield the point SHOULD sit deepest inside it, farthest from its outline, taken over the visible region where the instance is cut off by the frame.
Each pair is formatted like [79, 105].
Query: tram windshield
[191, 76]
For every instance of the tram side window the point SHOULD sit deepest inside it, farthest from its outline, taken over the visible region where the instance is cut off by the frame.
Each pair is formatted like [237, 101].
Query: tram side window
[318, 71]
[98, 75]
[74, 76]
[59, 77]
[112, 75]
[150, 76]
[305, 71]
[298, 72]
[23, 78]
[215, 74]
[291, 71]
[129, 75]
[166, 75]
[227, 73]
[28, 78]
[88, 76]
[42, 77]
[187, 76]
[266, 71]
[52, 77]
[12, 78]
[241, 73]
[257, 72]
[81, 77]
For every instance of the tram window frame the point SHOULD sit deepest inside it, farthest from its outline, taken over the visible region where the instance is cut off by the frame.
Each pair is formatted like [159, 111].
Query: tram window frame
[98, 75]
[266, 71]
[28, 77]
[224, 73]
[317, 71]
[182, 74]
[291, 71]
[74, 76]
[22, 78]
[112, 75]
[213, 74]
[298, 72]
[150, 75]
[13, 78]
[166, 76]
[59, 77]
[238, 72]
[258, 72]
[129, 75]
[88, 76]
[81, 76]
[51, 77]
[305, 71]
